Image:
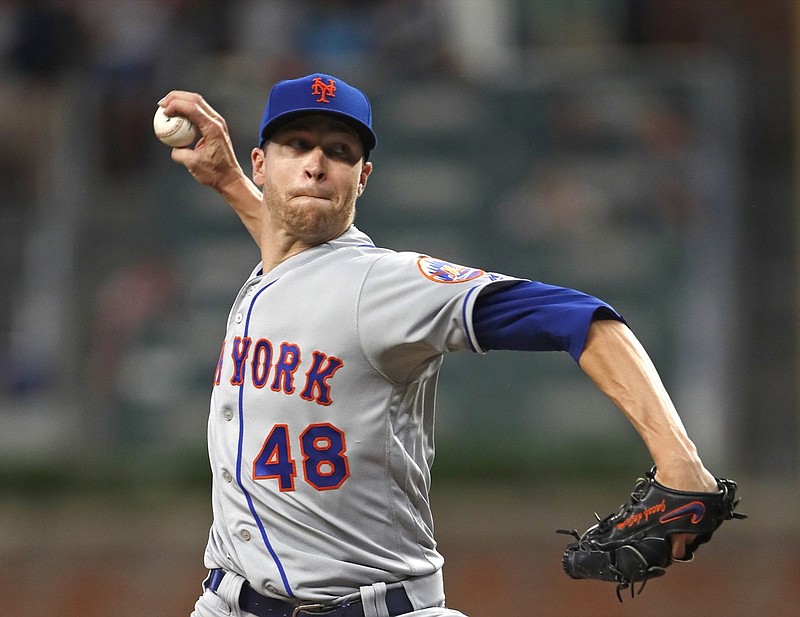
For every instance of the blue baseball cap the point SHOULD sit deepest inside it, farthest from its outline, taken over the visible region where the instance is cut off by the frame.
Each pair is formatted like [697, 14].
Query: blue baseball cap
[318, 94]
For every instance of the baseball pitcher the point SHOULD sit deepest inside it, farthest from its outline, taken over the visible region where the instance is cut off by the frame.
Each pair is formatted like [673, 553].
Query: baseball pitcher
[320, 433]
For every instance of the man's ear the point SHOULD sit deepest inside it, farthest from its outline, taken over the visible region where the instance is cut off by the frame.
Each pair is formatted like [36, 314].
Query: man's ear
[366, 170]
[258, 160]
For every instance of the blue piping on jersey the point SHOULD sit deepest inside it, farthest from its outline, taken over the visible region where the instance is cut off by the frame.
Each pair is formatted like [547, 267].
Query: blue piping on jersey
[247, 496]
[464, 318]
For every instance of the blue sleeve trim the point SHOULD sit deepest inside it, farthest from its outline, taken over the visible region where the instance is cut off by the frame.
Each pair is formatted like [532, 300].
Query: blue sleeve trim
[464, 314]
[533, 316]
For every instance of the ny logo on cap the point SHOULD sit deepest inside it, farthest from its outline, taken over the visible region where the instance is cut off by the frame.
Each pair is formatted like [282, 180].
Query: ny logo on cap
[323, 90]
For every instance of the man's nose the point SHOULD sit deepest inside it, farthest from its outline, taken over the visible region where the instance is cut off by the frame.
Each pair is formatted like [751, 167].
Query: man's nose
[315, 164]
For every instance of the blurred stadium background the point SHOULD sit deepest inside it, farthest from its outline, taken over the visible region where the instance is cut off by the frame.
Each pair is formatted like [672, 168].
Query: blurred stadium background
[640, 150]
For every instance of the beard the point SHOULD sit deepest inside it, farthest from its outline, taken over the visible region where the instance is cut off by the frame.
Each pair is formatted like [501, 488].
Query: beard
[311, 220]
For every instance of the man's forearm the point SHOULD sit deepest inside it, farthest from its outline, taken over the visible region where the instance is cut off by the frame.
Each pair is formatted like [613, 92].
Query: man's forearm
[245, 199]
[620, 367]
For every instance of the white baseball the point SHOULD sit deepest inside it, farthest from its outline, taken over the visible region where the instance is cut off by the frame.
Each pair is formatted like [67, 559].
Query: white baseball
[175, 131]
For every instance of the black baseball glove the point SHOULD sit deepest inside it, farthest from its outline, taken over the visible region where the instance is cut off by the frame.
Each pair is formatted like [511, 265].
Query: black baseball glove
[633, 545]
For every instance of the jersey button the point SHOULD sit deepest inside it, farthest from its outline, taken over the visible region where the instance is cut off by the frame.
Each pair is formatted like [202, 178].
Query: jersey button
[226, 475]
[245, 535]
[238, 318]
[228, 414]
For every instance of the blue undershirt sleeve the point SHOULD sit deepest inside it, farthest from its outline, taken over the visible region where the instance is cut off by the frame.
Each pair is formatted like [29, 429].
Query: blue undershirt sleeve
[533, 316]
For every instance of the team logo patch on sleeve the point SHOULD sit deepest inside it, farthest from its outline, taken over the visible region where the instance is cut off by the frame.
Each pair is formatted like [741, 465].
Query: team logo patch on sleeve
[440, 271]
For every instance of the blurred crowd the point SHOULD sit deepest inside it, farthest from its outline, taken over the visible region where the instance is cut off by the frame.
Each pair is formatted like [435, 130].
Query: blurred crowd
[116, 57]
[88, 262]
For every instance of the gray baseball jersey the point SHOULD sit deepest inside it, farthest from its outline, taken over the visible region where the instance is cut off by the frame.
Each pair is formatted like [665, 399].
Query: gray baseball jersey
[321, 427]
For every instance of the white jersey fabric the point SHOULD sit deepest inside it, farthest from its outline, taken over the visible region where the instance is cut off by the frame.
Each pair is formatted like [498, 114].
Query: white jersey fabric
[322, 417]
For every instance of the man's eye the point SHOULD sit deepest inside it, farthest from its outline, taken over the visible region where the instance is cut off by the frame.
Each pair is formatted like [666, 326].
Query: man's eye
[340, 150]
[297, 143]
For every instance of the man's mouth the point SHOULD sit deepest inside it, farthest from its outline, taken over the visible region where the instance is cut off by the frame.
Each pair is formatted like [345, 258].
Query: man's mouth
[309, 195]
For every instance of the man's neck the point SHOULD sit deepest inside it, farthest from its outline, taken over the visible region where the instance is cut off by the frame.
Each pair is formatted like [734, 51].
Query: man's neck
[276, 248]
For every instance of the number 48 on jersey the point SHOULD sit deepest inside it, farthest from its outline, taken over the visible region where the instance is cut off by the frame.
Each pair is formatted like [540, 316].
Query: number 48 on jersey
[322, 446]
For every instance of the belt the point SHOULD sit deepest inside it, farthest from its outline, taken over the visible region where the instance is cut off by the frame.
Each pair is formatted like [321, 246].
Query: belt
[251, 601]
